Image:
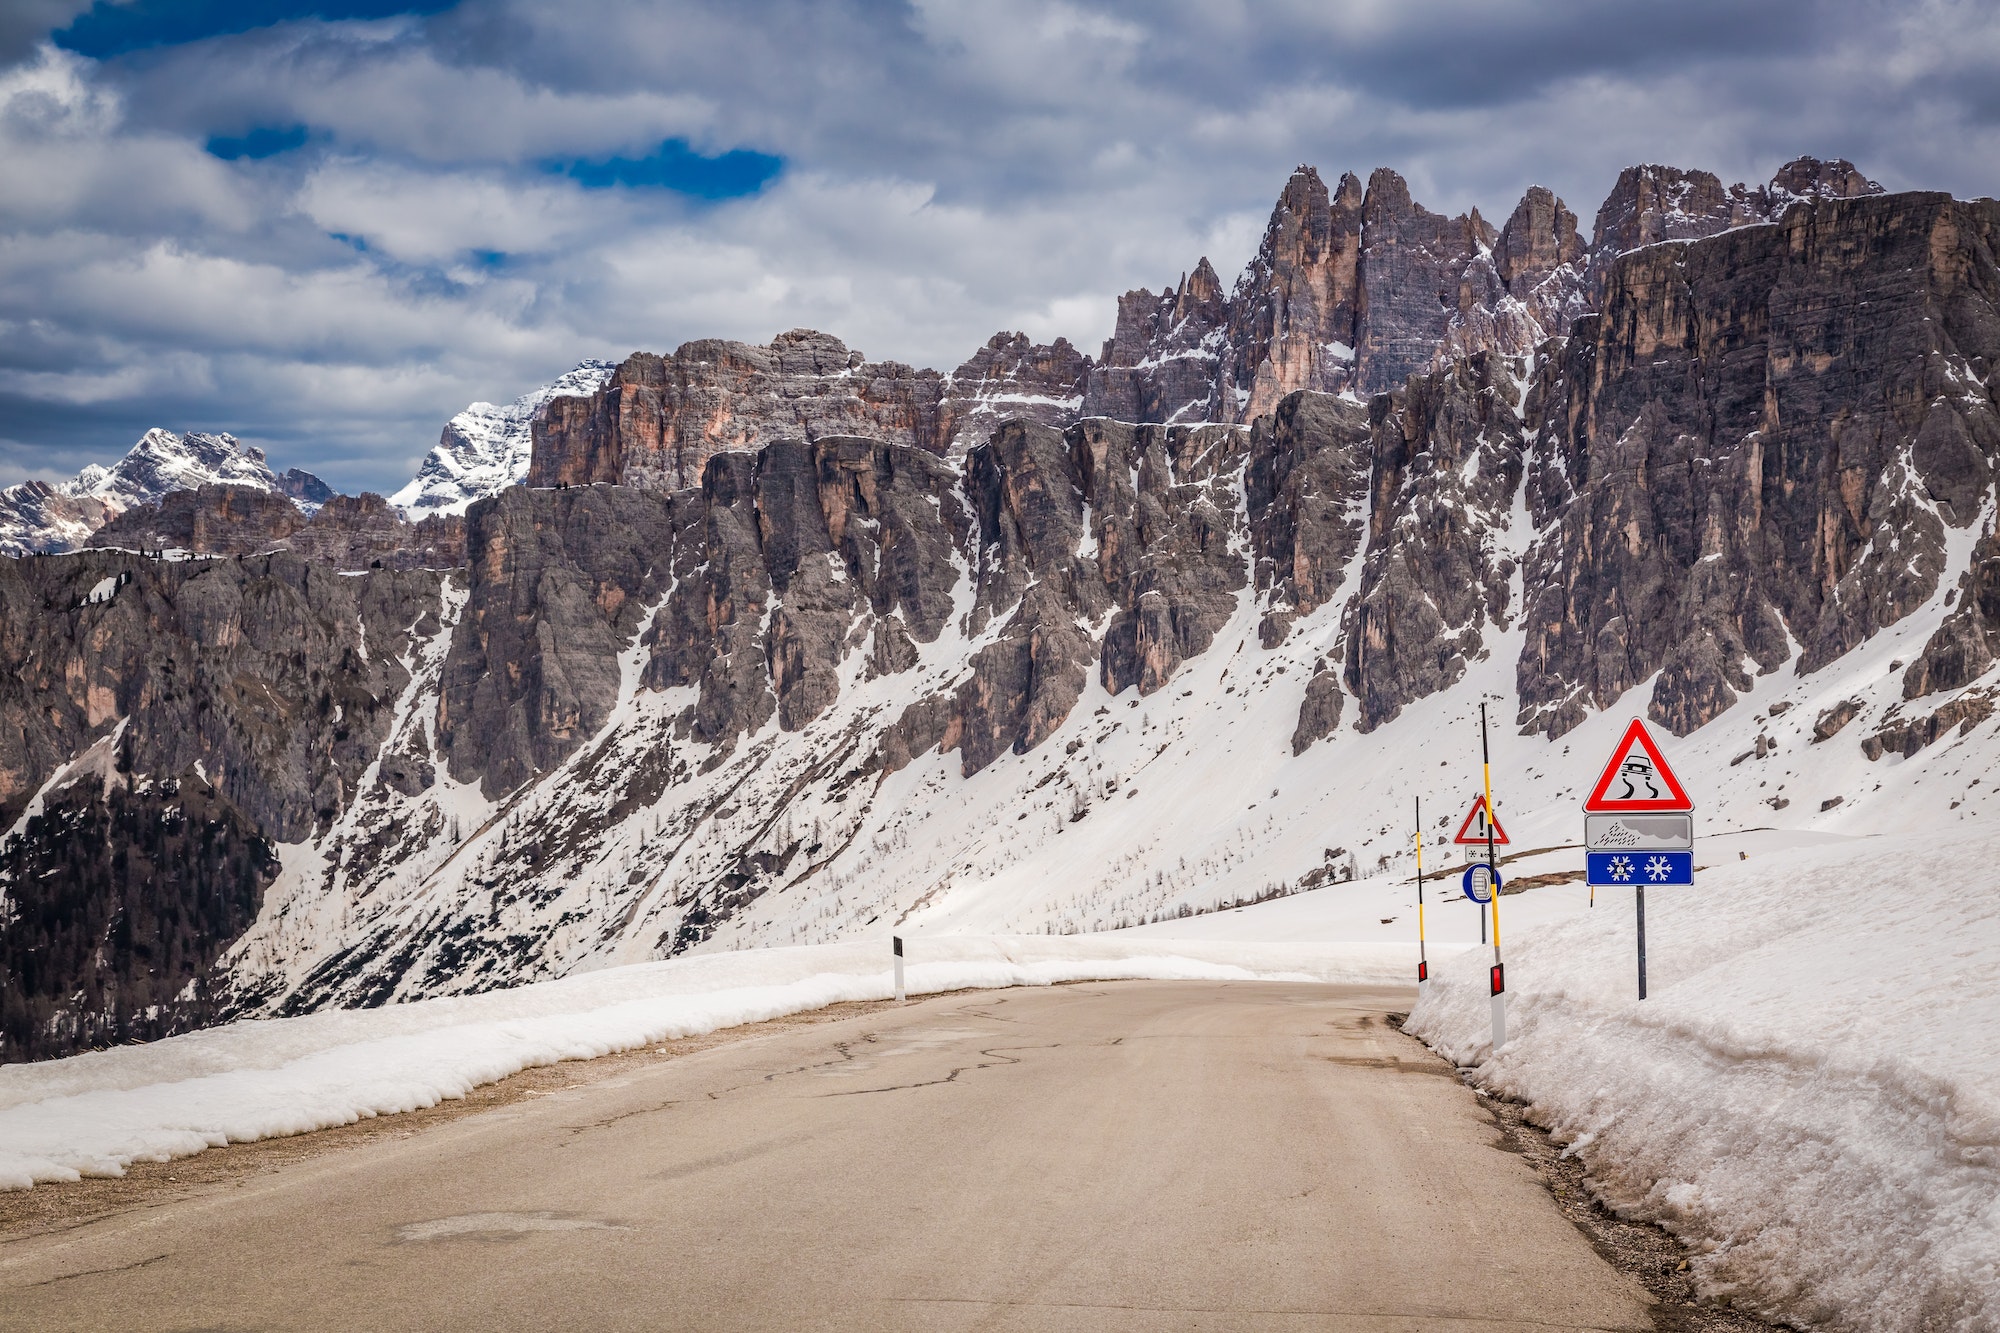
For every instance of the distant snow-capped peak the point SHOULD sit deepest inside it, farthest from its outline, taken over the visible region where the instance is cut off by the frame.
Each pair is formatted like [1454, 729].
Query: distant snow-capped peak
[486, 448]
[60, 516]
[162, 462]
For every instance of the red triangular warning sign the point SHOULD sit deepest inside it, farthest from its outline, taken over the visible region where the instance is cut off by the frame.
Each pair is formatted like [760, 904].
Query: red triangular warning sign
[1637, 778]
[1474, 827]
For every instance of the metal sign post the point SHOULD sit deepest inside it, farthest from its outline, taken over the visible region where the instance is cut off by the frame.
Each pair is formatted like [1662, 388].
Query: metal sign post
[1636, 829]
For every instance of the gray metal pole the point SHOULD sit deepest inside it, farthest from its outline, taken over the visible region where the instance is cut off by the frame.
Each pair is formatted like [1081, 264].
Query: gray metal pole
[1641, 898]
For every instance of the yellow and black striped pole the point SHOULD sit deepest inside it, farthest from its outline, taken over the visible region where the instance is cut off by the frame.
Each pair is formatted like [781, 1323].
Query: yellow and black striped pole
[1499, 969]
[1423, 963]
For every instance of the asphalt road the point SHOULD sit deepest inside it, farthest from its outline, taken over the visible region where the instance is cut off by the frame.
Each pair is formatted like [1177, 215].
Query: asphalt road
[1128, 1156]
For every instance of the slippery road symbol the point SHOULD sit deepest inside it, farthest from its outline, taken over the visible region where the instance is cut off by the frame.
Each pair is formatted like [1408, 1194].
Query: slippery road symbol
[1639, 780]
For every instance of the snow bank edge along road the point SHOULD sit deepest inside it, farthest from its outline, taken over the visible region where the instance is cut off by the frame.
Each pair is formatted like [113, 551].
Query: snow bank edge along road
[1810, 1097]
[94, 1114]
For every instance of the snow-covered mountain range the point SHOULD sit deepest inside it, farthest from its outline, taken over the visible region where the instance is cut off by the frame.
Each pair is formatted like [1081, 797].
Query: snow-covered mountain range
[1084, 672]
[39, 517]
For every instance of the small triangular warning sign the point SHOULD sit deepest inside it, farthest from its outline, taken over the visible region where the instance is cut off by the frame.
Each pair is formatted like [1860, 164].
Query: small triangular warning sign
[1637, 778]
[1474, 827]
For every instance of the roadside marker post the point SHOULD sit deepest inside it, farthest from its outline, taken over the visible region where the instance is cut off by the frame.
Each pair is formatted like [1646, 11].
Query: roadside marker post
[1499, 976]
[1423, 962]
[897, 942]
[1637, 828]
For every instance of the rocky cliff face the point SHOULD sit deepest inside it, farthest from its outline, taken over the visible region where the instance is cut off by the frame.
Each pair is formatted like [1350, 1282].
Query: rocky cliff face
[1355, 289]
[1297, 297]
[276, 676]
[1089, 673]
[1010, 379]
[1735, 469]
[1352, 290]
[660, 418]
[1160, 362]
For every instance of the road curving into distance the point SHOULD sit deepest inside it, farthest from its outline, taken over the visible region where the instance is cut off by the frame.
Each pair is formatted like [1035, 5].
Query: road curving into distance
[1117, 1156]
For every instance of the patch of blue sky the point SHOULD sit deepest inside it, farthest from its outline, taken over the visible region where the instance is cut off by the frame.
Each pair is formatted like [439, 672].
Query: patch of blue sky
[110, 29]
[262, 142]
[677, 167]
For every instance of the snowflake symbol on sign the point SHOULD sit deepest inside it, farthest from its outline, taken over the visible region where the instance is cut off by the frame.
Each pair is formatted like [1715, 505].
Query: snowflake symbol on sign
[1658, 868]
[1621, 868]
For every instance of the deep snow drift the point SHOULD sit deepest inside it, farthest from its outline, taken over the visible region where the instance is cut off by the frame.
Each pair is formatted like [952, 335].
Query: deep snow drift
[1810, 1094]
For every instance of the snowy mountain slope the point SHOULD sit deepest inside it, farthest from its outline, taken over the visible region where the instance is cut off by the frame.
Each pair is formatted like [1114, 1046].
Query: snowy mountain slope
[38, 516]
[1132, 809]
[486, 447]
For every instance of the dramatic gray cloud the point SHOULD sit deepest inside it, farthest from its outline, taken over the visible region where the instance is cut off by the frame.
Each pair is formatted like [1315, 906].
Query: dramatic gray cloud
[327, 236]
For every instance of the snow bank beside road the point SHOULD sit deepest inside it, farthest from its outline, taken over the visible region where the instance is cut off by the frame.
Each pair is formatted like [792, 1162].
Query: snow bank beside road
[95, 1114]
[1811, 1094]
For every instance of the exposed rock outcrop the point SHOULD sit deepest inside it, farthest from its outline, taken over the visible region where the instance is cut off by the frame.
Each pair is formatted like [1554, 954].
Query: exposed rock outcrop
[1010, 379]
[1292, 320]
[559, 583]
[1447, 460]
[345, 532]
[1654, 203]
[1968, 642]
[487, 447]
[1731, 462]
[660, 418]
[1161, 361]
[1529, 287]
[1356, 289]
[274, 676]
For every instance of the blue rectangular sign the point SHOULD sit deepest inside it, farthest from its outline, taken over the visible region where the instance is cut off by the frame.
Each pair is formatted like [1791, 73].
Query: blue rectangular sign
[1612, 868]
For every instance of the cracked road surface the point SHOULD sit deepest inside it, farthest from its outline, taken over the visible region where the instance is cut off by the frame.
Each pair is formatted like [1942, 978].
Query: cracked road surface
[1125, 1156]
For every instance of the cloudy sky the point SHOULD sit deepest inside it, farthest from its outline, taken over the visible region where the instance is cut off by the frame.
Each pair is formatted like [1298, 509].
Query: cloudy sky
[326, 225]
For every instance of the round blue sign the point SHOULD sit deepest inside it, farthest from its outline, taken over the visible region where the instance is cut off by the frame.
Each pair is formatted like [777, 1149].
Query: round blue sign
[1480, 881]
